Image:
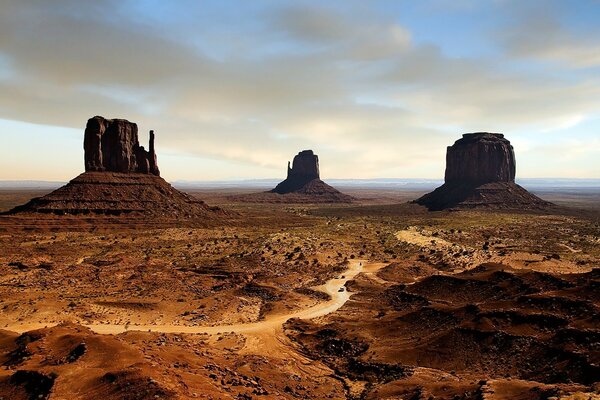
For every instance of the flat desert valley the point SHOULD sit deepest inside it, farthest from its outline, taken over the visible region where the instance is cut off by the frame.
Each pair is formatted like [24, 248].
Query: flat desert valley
[375, 299]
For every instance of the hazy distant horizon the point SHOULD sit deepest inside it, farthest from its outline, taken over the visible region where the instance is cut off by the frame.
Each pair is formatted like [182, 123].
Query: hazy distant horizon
[379, 183]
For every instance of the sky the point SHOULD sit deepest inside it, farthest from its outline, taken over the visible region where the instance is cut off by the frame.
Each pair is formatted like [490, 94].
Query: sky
[234, 89]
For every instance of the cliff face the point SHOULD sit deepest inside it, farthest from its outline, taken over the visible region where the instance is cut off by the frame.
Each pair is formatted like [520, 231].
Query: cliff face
[112, 145]
[305, 168]
[480, 158]
[120, 178]
[480, 173]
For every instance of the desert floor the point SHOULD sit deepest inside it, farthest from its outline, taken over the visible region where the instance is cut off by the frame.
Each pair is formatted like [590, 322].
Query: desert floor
[379, 299]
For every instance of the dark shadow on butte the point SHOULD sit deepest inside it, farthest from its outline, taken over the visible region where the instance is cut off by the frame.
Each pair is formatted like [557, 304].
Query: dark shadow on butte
[480, 173]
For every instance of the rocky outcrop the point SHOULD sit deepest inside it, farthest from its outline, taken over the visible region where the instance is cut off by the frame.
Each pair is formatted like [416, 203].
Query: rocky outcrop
[480, 158]
[304, 169]
[480, 172]
[112, 145]
[302, 185]
[121, 178]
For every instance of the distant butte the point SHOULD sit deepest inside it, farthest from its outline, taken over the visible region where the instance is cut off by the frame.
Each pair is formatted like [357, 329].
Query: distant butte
[304, 169]
[302, 185]
[480, 173]
[120, 178]
[303, 178]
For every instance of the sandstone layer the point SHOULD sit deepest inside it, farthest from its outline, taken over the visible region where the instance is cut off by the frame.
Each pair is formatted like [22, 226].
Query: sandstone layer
[480, 158]
[113, 193]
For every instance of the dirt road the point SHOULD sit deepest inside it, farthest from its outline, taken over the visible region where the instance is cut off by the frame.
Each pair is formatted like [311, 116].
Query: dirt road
[334, 287]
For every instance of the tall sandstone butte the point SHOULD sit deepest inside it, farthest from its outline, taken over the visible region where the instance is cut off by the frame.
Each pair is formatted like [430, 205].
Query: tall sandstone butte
[112, 145]
[303, 184]
[480, 172]
[305, 168]
[120, 177]
[480, 158]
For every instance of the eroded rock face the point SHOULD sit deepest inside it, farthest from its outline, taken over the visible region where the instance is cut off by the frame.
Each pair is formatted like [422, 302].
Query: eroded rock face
[120, 178]
[480, 158]
[304, 168]
[113, 145]
[480, 173]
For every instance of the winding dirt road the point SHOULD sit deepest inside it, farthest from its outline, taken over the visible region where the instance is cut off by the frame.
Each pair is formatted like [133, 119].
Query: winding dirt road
[332, 288]
[264, 337]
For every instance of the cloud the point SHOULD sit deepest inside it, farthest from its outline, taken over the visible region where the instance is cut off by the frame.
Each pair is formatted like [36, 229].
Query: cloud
[571, 156]
[348, 81]
[544, 38]
[340, 33]
[81, 45]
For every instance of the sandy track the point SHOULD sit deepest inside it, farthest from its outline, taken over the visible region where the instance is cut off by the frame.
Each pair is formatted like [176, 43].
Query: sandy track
[269, 324]
[413, 236]
[332, 288]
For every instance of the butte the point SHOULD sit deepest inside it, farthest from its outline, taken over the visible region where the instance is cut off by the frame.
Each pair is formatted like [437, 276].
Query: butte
[302, 185]
[303, 178]
[120, 178]
[480, 173]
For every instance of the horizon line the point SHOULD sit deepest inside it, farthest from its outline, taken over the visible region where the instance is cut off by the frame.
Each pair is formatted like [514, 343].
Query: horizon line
[329, 179]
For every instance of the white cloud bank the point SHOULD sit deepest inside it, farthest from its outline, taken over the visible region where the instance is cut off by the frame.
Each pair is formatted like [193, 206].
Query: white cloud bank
[346, 80]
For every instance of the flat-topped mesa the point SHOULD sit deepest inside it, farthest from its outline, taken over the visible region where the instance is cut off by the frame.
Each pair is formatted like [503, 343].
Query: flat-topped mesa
[304, 168]
[480, 172]
[112, 145]
[480, 158]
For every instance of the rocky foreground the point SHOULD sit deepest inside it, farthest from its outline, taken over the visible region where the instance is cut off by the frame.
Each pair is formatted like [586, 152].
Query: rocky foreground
[495, 306]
